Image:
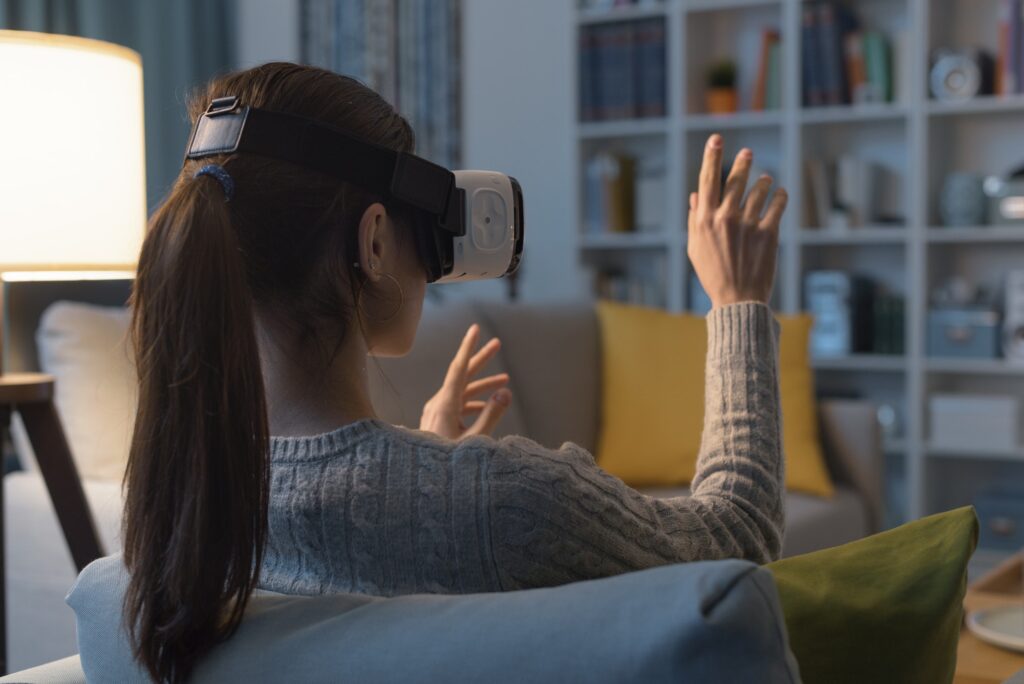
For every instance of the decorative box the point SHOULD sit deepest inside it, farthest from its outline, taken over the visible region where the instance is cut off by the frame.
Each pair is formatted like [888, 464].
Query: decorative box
[973, 423]
[963, 333]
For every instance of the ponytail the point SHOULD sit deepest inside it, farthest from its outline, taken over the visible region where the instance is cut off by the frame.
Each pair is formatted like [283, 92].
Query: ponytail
[197, 481]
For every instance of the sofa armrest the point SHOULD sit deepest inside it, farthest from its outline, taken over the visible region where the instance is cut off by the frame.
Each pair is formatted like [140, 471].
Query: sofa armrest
[64, 671]
[852, 442]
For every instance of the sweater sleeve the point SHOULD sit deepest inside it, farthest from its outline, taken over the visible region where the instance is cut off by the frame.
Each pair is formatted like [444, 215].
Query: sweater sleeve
[556, 517]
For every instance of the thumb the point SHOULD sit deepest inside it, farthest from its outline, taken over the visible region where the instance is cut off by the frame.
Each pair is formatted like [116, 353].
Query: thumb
[491, 413]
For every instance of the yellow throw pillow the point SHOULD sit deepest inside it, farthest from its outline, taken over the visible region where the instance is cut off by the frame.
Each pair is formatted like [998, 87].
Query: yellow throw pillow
[653, 398]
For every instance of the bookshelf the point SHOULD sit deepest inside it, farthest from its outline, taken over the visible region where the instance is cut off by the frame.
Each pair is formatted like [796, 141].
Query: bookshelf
[915, 137]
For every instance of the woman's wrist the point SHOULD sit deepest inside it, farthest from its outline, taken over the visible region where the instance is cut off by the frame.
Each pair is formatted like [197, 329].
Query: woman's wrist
[746, 328]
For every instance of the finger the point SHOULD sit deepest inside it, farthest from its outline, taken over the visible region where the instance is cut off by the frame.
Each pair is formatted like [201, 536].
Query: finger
[754, 205]
[736, 184]
[473, 407]
[693, 201]
[457, 369]
[773, 216]
[709, 189]
[491, 414]
[485, 385]
[481, 358]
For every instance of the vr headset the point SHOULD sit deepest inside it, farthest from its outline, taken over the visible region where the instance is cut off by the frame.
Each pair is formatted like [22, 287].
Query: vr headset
[472, 225]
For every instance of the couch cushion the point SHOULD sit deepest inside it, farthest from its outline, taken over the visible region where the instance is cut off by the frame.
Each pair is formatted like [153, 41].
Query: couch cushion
[883, 609]
[64, 671]
[85, 347]
[400, 386]
[701, 622]
[554, 355]
[653, 398]
[812, 522]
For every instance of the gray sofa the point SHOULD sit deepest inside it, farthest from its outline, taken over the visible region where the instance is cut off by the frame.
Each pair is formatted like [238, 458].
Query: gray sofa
[552, 353]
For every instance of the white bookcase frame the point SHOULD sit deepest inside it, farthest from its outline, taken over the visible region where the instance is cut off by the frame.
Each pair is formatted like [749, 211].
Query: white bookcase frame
[916, 116]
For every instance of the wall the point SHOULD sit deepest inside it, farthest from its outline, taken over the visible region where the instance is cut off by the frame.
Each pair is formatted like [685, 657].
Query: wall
[517, 117]
[518, 108]
[268, 30]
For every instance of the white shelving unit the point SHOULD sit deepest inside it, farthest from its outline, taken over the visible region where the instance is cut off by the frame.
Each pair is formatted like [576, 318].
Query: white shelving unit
[920, 138]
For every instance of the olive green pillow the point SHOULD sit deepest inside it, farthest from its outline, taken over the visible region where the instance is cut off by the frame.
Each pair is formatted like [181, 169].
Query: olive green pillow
[887, 608]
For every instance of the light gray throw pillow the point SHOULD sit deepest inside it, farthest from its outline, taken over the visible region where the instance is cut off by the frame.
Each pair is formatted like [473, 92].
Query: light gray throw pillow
[698, 622]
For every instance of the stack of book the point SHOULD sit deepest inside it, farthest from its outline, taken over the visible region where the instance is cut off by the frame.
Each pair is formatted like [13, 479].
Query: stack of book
[622, 70]
[843, 64]
[768, 87]
[851, 192]
[1010, 58]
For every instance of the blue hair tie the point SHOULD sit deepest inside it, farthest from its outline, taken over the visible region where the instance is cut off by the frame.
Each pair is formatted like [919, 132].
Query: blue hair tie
[222, 176]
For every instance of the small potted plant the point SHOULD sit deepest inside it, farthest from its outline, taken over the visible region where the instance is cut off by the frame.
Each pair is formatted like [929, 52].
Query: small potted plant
[721, 96]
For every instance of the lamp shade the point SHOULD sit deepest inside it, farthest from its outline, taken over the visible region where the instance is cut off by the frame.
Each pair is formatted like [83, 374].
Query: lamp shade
[72, 154]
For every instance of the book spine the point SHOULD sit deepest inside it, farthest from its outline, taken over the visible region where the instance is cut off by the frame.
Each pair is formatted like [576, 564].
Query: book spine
[586, 75]
[829, 47]
[812, 95]
[659, 70]
[758, 103]
[856, 71]
[773, 96]
[1014, 51]
[630, 105]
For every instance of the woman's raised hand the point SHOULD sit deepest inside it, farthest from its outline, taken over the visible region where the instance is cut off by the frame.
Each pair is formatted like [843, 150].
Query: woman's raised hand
[444, 412]
[732, 243]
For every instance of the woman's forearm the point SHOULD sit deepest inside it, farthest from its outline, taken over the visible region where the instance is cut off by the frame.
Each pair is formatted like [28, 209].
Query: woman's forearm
[739, 475]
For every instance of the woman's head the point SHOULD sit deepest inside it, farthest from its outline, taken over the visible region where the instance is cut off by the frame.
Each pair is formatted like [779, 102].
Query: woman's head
[323, 263]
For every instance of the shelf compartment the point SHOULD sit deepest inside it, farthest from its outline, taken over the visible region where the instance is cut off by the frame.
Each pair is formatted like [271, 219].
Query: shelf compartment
[616, 14]
[979, 234]
[866, 235]
[884, 363]
[623, 128]
[852, 114]
[989, 104]
[623, 241]
[973, 366]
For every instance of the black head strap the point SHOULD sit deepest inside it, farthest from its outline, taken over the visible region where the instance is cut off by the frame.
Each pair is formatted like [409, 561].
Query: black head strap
[227, 127]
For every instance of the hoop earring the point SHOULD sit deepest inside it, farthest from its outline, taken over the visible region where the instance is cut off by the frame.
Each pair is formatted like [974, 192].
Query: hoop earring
[401, 300]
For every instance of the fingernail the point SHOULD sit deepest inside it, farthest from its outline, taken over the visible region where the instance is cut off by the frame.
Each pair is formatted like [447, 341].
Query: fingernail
[502, 397]
[746, 153]
[715, 140]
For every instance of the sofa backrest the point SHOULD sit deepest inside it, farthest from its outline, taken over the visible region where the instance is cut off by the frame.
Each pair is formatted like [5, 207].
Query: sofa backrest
[717, 621]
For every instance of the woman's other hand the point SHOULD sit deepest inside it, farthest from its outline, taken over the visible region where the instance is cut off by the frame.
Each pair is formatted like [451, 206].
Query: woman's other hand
[732, 243]
[458, 397]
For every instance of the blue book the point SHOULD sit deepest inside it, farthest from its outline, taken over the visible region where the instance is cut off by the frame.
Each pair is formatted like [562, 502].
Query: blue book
[812, 90]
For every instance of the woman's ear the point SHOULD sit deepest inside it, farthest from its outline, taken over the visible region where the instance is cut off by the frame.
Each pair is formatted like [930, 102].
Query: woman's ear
[372, 240]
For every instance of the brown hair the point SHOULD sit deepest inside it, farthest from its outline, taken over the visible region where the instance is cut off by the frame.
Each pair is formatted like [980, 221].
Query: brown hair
[197, 481]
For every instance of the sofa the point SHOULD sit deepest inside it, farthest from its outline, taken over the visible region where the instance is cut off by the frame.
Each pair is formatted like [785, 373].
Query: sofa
[552, 353]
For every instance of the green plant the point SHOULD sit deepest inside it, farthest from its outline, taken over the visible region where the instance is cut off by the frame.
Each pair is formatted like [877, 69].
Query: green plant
[722, 74]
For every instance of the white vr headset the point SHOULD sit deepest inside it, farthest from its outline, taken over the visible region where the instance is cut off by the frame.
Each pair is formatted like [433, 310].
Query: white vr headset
[472, 221]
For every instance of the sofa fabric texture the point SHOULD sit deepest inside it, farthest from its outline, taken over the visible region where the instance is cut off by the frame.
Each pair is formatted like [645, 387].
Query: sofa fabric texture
[702, 622]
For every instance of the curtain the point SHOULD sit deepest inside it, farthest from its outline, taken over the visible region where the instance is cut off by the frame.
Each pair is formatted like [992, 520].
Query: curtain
[182, 43]
[406, 50]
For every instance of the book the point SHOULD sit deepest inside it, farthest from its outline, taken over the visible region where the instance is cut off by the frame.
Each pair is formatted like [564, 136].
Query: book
[817, 194]
[773, 87]
[610, 193]
[856, 70]
[769, 38]
[830, 46]
[878, 63]
[813, 95]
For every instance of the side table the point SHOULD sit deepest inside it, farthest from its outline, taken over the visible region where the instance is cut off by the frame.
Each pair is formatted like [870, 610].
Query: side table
[979, 662]
[31, 396]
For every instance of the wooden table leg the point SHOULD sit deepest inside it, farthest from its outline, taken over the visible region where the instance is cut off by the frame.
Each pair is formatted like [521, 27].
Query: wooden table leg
[58, 470]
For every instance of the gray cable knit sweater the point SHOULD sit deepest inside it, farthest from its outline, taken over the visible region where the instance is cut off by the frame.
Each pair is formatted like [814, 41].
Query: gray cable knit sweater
[377, 509]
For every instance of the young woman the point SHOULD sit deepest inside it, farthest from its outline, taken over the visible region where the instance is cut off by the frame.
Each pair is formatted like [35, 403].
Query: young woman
[257, 458]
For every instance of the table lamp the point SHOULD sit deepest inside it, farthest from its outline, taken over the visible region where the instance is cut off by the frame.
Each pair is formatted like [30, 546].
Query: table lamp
[72, 207]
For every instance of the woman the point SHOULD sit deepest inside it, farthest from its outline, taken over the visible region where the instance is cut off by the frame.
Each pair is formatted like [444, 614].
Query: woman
[262, 287]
